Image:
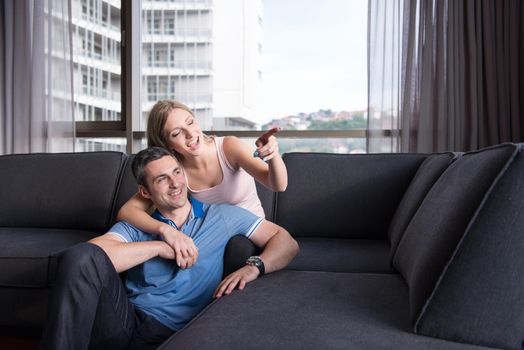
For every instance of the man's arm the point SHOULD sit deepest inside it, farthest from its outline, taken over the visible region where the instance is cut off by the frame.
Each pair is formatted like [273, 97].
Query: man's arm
[125, 255]
[279, 249]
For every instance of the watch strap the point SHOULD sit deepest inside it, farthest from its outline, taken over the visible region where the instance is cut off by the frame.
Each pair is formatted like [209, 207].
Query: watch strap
[257, 262]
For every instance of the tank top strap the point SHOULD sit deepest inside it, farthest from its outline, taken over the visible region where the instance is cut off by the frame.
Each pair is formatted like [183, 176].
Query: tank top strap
[224, 163]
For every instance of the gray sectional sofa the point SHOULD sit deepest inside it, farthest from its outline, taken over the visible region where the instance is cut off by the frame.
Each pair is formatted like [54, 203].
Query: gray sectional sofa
[398, 251]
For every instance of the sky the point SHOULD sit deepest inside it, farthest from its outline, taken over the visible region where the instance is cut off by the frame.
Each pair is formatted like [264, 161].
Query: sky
[314, 56]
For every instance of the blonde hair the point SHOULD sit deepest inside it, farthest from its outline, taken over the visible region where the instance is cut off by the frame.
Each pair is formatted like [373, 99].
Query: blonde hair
[156, 121]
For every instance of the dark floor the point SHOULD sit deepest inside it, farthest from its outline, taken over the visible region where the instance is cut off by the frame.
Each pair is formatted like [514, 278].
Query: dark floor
[16, 339]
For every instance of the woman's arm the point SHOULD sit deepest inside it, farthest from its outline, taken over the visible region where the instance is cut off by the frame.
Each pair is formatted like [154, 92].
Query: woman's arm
[127, 255]
[134, 212]
[271, 173]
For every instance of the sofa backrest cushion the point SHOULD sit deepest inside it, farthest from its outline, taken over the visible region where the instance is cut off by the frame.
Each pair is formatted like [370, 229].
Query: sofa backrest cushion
[343, 195]
[60, 190]
[442, 218]
[126, 189]
[426, 176]
[267, 198]
[479, 298]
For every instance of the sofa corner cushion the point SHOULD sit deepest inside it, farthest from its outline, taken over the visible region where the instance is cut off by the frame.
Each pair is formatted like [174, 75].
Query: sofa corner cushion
[441, 220]
[426, 176]
[479, 298]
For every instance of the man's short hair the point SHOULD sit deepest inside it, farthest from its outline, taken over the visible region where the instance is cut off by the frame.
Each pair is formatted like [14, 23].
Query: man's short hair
[145, 157]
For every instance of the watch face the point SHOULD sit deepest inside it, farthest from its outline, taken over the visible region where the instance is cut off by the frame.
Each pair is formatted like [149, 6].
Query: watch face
[254, 261]
[257, 262]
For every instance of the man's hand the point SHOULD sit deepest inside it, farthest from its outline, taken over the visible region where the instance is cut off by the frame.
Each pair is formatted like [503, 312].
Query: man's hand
[238, 278]
[185, 250]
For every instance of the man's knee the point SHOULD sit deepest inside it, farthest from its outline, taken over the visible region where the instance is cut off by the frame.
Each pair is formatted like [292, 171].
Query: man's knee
[80, 253]
[81, 257]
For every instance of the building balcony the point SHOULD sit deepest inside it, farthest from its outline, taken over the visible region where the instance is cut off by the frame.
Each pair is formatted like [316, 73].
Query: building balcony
[181, 64]
[194, 101]
[98, 97]
[97, 26]
[182, 97]
[177, 35]
[115, 3]
[97, 60]
[187, 5]
[170, 71]
[182, 31]
[99, 92]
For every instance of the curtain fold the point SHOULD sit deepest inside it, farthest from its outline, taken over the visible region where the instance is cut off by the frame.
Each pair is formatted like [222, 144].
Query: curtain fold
[36, 102]
[384, 71]
[461, 75]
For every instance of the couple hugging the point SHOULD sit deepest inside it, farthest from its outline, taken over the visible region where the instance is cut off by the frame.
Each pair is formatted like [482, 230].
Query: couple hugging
[173, 257]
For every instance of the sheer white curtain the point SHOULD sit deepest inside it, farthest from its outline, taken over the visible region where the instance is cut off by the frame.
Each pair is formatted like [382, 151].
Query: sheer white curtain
[384, 74]
[36, 90]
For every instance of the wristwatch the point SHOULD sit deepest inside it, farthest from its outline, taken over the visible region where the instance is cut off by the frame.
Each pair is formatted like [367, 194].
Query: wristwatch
[257, 262]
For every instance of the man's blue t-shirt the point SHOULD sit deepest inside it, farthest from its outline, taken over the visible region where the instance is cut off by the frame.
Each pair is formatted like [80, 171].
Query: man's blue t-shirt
[172, 295]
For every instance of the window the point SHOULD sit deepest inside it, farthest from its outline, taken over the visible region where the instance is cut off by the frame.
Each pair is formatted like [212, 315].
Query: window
[149, 24]
[151, 89]
[220, 76]
[169, 23]
[97, 65]
[314, 70]
[212, 56]
[157, 27]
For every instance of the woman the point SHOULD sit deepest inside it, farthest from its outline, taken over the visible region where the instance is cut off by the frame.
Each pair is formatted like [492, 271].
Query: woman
[218, 170]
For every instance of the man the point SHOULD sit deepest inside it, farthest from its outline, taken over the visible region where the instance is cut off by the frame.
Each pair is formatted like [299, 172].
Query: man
[91, 308]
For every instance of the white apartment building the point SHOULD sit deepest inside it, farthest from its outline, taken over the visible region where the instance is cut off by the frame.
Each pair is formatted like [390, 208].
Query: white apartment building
[237, 62]
[204, 53]
[96, 56]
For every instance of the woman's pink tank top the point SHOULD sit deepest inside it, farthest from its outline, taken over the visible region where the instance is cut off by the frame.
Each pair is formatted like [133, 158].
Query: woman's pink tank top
[237, 186]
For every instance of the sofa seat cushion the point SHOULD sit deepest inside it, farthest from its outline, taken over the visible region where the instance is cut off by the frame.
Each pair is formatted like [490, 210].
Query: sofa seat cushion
[310, 310]
[342, 255]
[25, 254]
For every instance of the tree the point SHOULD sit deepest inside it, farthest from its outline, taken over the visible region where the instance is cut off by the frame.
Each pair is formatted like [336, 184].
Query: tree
[357, 122]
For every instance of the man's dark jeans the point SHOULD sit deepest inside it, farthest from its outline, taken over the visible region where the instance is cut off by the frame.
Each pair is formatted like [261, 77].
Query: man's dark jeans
[89, 307]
